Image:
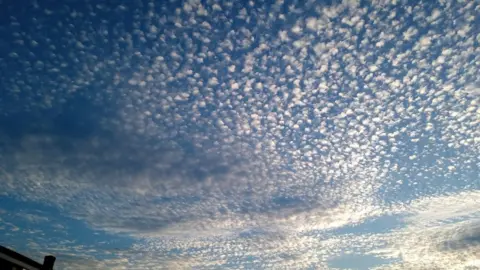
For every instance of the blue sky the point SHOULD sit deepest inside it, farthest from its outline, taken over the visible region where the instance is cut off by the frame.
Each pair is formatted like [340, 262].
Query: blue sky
[227, 135]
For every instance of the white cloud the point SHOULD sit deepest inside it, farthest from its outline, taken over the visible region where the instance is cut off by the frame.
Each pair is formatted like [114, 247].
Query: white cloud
[216, 138]
[440, 232]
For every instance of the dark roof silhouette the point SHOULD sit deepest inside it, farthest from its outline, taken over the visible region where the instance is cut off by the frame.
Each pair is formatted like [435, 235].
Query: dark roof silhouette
[11, 260]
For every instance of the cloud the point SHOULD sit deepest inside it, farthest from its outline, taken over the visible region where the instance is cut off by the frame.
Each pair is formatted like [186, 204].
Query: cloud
[247, 136]
[441, 232]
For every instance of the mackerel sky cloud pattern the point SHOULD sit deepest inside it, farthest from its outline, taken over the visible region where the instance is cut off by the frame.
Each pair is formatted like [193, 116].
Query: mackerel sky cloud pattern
[241, 134]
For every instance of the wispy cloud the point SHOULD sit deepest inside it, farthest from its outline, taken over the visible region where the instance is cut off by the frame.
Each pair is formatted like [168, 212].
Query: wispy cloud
[441, 232]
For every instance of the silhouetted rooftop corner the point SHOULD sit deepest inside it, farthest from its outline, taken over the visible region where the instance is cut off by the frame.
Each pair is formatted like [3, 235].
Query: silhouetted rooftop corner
[11, 260]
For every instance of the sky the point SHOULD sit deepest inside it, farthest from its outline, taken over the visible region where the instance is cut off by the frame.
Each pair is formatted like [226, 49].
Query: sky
[211, 134]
